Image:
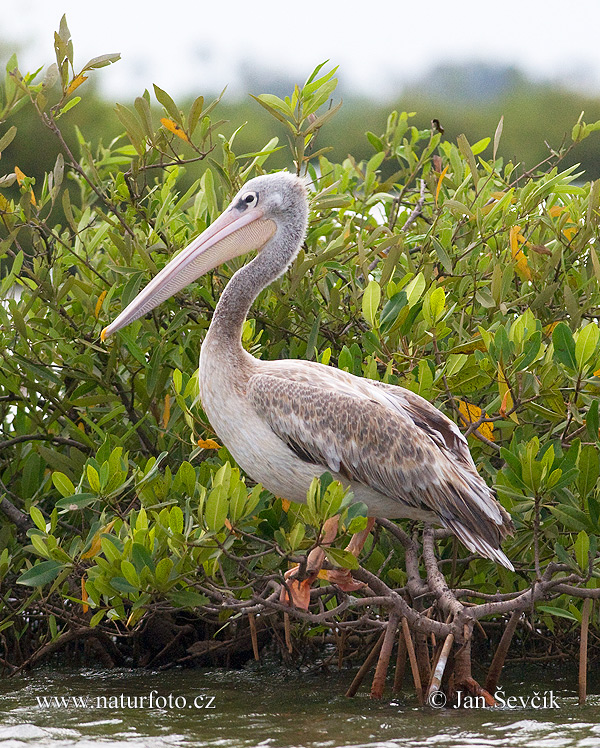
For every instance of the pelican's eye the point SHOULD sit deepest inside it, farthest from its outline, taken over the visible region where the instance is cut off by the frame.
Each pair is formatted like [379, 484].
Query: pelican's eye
[249, 200]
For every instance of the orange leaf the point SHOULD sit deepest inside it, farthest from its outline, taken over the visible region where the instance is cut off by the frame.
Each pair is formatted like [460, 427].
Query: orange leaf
[174, 128]
[517, 252]
[505, 393]
[84, 596]
[166, 412]
[549, 328]
[75, 83]
[97, 540]
[99, 304]
[504, 404]
[570, 232]
[285, 505]
[556, 210]
[21, 177]
[472, 413]
[228, 524]
[208, 444]
[439, 183]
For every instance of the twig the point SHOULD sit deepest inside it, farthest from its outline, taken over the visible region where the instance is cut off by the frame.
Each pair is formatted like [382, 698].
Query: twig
[253, 636]
[583, 649]
[15, 515]
[438, 674]
[413, 660]
[493, 675]
[384, 657]
[400, 663]
[365, 667]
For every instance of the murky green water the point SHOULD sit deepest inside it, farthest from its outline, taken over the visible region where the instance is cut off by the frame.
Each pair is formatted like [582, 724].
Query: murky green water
[257, 707]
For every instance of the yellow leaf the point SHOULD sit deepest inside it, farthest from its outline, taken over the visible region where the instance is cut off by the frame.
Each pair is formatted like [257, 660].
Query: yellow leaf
[285, 505]
[517, 252]
[20, 179]
[166, 411]
[570, 232]
[75, 83]
[97, 540]
[472, 413]
[84, 596]
[208, 444]
[99, 304]
[439, 184]
[81, 426]
[556, 210]
[174, 128]
[549, 328]
[505, 394]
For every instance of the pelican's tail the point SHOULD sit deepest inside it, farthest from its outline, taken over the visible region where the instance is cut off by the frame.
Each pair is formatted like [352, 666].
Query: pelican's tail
[477, 544]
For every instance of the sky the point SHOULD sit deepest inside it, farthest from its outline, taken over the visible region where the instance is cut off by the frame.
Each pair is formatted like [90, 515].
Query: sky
[190, 47]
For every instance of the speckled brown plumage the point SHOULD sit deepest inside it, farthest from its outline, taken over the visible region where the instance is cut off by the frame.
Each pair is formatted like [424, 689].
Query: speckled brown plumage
[383, 437]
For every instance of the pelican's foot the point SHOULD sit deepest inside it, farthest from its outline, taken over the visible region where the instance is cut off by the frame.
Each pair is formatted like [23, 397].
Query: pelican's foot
[344, 580]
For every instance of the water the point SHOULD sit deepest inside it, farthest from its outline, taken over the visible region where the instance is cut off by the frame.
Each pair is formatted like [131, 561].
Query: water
[260, 707]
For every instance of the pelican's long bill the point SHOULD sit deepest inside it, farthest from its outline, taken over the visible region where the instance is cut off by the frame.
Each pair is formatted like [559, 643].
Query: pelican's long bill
[234, 233]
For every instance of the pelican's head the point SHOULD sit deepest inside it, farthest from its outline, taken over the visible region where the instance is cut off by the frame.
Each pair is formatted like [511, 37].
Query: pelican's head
[263, 207]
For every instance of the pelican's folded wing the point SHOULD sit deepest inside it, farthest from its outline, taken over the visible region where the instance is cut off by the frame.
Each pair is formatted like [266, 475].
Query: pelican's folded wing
[369, 436]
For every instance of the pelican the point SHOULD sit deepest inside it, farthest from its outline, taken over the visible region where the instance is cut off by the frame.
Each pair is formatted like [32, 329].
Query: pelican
[287, 421]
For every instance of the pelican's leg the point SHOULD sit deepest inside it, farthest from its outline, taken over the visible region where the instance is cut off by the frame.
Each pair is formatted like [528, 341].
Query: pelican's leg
[299, 590]
[343, 577]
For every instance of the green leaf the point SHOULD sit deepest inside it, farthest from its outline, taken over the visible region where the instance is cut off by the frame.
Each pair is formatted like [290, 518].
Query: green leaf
[93, 478]
[560, 612]
[215, 510]
[342, 558]
[586, 344]
[38, 518]
[582, 547]
[564, 346]
[7, 138]
[187, 599]
[41, 574]
[571, 517]
[370, 302]
[176, 520]
[391, 310]
[589, 469]
[63, 484]
[168, 103]
[76, 502]
[101, 61]
[141, 557]
[414, 290]
[163, 571]
[592, 420]
[130, 574]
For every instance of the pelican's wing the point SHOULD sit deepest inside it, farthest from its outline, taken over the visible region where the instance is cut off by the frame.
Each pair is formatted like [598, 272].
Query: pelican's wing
[427, 417]
[386, 441]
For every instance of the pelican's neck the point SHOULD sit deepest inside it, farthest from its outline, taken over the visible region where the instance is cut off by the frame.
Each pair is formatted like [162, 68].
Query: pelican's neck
[225, 333]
